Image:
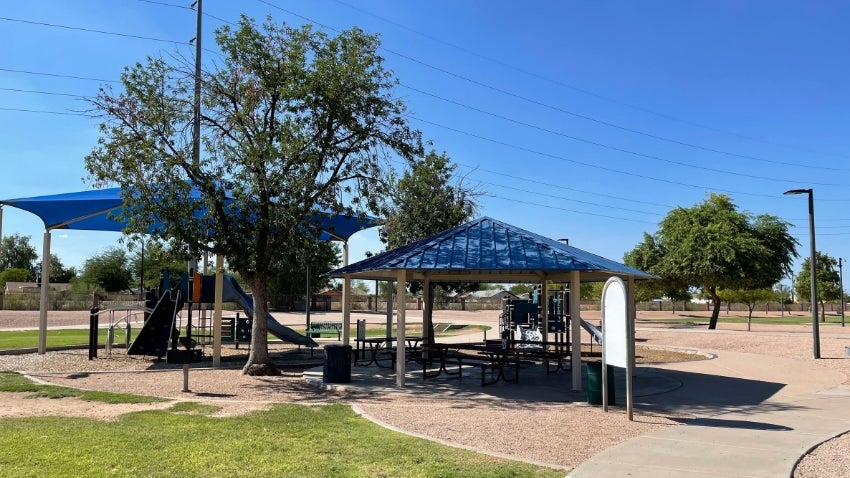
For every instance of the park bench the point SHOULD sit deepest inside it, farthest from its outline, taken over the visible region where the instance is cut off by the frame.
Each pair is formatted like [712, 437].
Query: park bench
[325, 327]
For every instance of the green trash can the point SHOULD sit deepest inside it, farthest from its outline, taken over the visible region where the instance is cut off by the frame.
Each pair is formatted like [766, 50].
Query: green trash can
[594, 384]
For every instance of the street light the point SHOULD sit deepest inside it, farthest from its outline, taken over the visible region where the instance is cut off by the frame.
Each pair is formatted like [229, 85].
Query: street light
[814, 291]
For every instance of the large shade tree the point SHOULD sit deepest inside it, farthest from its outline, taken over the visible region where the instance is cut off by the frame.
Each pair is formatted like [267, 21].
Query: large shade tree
[293, 121]
[712, 246]
[828, 280]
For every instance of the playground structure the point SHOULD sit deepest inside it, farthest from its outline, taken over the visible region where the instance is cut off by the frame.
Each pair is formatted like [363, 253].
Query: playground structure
[160, 334]
[520, 318]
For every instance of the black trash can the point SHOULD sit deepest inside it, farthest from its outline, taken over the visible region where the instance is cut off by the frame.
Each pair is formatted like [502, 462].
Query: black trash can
[594, 384]
[337, 364]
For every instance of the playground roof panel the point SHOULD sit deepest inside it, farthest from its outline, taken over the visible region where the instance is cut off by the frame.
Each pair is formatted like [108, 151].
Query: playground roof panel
[487, 250]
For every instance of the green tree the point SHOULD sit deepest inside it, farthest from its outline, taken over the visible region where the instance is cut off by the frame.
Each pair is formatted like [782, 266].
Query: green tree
[359, 287]
[293, 122]
[14, 275]
[519, 289]
[109, 270]
[428, 199]
[16, 252]
[749, 297]
[288, 275]
[714, 246]
[828, 280]
[158, 255]
[59, 274]
[645, 256]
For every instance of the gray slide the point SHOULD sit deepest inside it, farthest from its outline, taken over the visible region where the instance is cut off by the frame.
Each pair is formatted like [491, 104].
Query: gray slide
[234, 293]
[593, 330]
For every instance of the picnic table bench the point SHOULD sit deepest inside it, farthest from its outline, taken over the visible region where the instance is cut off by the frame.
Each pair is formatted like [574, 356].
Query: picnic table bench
[325, 327]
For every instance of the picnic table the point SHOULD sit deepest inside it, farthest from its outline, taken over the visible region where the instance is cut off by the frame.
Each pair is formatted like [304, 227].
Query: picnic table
[383, 345]
[499, 359]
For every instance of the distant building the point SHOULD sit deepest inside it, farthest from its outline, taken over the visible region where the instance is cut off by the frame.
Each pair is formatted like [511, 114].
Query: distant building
[488, 296]
[32, 287]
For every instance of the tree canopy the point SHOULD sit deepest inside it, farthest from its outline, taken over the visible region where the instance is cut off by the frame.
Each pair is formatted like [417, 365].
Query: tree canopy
[712, 246]
[293, 122]
[16, 252]
[109, 270]
[828, 280]
[428, 199]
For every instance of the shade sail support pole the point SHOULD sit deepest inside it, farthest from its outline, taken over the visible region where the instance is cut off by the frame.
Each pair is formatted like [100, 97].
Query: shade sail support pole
[45, 289]
[575, 328]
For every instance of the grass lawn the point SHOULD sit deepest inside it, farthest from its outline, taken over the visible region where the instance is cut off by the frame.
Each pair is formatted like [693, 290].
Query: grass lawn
[288, 440]
[25, 339]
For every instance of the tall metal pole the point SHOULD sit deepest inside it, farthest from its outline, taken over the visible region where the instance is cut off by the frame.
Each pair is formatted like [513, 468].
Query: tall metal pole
[812, 263]
[813, 269]
[841, 288]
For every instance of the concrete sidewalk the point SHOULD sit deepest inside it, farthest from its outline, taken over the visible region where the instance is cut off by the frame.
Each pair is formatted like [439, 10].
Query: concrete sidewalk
[756, 416]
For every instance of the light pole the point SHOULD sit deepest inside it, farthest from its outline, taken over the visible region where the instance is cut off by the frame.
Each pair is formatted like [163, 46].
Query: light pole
[814, 288]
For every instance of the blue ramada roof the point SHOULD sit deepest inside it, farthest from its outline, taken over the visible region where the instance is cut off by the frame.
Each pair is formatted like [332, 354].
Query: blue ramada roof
[487, 247]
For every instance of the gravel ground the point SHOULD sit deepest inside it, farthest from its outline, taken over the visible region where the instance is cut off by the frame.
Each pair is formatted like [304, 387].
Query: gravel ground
[561, 434]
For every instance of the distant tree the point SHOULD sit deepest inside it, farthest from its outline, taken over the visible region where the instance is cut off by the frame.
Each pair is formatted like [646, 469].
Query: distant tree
[359, 287]
[782, 294]
[109, 270]
[59, 274]
[288, 274]
[828, 280]
[520, 289]
[714, 246]
[14, 275]
[158, 255]
[428, 199]
[16, 252]
[749, 297]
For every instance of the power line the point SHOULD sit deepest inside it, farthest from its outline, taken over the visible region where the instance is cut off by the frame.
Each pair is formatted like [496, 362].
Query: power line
[18, 90]
[559, 109]
[91, 30]
[67, 113]
[607, 146]
[582, 163]
[184, 7]
[582, 90]
[100, 32]
[56, 75]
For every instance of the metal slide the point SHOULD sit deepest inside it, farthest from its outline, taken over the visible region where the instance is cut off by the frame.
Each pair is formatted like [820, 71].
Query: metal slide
[593, 330]
[234, 293]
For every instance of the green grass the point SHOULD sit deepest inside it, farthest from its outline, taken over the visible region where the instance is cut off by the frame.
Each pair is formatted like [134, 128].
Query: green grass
[685, 318]
[15, 382]
[24, 339]
[288, 440]
[194, 408]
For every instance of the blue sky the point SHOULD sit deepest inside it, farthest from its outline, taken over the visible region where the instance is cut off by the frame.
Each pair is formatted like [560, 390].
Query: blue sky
[579, 120]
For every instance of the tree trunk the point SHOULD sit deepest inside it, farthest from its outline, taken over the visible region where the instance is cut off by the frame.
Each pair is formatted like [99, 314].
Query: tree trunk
[750, 316]
[715, 311]
[258, 359]
[822, 311]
